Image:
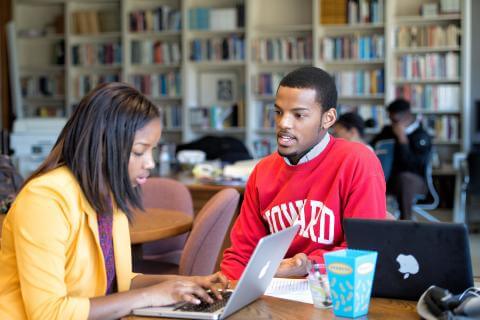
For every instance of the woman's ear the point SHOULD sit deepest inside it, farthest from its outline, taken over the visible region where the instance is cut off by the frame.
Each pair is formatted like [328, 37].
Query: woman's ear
[329, 118]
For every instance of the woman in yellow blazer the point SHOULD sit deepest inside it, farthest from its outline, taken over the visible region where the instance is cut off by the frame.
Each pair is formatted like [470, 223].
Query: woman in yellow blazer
[65, 251]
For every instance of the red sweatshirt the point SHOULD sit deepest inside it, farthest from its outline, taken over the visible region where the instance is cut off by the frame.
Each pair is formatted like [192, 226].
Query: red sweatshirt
[344, 180]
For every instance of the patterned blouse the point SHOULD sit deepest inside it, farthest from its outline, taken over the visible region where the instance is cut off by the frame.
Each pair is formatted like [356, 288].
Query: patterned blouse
[105, 222]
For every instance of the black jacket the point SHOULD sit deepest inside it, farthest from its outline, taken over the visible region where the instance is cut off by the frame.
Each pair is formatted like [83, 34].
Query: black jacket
[412, 157]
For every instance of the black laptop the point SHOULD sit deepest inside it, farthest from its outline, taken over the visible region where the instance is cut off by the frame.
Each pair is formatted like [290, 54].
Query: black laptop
[412, 256]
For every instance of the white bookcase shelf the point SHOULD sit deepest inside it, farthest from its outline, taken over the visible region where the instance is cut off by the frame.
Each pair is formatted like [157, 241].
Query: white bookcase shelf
[138, 30]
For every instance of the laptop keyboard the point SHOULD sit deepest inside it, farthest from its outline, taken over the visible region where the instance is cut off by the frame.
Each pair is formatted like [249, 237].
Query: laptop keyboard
[205, 306]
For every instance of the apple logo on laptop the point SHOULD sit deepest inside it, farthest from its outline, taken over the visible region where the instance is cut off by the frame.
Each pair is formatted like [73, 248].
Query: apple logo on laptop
[264, 270]
[408, 265]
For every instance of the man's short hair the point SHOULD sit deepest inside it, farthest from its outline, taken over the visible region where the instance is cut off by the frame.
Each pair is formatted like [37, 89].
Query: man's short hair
[351, 120]
[399, 106]
[316, 79]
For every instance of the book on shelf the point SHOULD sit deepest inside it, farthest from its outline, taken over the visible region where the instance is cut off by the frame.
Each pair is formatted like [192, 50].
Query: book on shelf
[361, 47]
[284, 49]
[171, 116]
[95, 21]
[162, 18]
[427, 36]
[351, 11]
[83, 84]
[230, 48]
[216, 19]
[266, 83]
[373, 114]
[91, 54]
[267, 114]
[46, 111]
[444, 97]
[359, 82]
[215, 117]
[443, 128]
[58, 57]
[428, 66]
[43, 86]
[155, 52]
[159, 85]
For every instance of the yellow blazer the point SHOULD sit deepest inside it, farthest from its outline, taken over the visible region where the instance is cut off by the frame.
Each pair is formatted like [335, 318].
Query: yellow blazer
[51, 261]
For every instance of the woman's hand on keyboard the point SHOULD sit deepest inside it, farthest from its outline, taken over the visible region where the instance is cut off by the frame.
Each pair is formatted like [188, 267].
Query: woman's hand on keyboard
[173, 291]
[214, 282]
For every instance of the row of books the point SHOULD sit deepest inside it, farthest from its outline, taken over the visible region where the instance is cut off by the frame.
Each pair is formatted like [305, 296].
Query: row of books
[203, 18]
[374, 115]
[43, 86]
[266, 83]
[156, 52]
[171, 116]
[90, 54]
[217, 117]
[167, 84]
[45, 111]
[93, 21]
[216, 49]
[351, 11]
[163, 18]
[365, 11]
[445, 97]
[283, 49]
[427, 36]
[360, 82]
[83, 84]
[354, 47]
[267, 114]
[443, 128]
[428, 66]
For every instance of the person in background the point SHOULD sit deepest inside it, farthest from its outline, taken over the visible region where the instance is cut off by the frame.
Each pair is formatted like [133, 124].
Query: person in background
[350, 126]
[411, 154]
[314, 180]
[65, 251]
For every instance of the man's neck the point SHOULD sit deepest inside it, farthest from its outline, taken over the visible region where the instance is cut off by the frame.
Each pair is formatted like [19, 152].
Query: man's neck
[310, 153]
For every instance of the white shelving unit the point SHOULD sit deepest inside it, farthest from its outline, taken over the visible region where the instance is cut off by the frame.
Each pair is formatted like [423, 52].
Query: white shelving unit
[265, 20]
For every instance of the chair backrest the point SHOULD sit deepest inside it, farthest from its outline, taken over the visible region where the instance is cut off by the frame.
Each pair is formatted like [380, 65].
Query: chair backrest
[473, 161]
[421, 208]
[384, 149]
[210, 226]
[167, 194]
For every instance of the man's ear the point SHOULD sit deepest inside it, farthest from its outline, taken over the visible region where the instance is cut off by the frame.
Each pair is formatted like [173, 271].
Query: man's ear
[329, 118]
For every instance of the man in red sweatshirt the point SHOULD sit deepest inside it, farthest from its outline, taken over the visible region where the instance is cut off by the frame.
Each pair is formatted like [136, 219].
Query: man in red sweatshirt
[313, 180]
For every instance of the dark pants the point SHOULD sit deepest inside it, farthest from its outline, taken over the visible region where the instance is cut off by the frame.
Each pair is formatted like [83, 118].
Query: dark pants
[405, 186]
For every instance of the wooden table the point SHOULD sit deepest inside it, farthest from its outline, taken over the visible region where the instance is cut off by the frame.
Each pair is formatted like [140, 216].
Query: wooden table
[156, 224]
[275, 308]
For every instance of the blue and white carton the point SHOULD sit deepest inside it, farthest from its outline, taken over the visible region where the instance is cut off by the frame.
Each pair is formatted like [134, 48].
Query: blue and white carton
[350, 274]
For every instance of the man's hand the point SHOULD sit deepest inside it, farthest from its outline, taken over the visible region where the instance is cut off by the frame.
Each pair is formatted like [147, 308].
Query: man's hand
[399, 131]
[295, 266]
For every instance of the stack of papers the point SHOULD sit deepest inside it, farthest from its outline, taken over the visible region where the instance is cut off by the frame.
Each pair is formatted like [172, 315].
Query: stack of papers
[290, 289]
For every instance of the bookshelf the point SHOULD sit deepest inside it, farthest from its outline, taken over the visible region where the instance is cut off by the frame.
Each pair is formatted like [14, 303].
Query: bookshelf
[279, 43]
[426, 63]
[42, 75]
[152, 38]
[214, 63]
[212, 66]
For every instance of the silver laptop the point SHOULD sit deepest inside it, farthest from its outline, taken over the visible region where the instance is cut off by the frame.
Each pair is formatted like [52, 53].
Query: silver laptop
[255, 279]
[412, 256]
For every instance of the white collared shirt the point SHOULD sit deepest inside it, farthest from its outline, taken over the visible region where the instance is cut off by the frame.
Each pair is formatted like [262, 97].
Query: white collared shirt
[316, 150]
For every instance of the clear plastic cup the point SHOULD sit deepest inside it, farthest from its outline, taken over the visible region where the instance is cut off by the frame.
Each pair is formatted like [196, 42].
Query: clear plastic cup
[319, 287]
